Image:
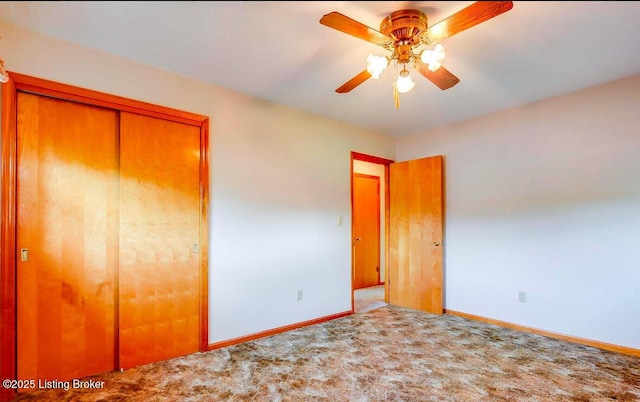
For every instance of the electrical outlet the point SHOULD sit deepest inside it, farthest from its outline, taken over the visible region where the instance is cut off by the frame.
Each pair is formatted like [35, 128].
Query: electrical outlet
[522, 297]
[299, 295]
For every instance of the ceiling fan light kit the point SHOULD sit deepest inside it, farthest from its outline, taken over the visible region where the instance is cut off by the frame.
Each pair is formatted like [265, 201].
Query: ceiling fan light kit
[404, 83]
[376, 65]
[404, 33]
[4, 75]
[433, 57]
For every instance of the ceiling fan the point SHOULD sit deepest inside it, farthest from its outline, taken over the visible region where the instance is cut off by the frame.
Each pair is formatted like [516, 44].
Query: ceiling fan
[403, 33]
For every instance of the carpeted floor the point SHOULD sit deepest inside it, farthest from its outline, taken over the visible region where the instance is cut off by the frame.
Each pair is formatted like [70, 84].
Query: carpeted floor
[386, 354]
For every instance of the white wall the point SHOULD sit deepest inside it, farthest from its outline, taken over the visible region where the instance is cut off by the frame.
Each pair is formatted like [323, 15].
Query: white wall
[545, 199]
[279, 180]
[374, 169]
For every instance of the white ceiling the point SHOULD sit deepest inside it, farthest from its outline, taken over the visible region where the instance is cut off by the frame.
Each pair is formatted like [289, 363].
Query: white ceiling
[280, 52]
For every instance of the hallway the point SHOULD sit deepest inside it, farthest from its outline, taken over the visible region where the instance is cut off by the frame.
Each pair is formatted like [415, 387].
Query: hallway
[370, 298]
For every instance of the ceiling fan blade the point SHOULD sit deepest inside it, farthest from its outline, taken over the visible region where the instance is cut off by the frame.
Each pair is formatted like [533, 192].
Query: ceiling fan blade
[442, 77]
[354, 82]
[352, 27]
[466, 18]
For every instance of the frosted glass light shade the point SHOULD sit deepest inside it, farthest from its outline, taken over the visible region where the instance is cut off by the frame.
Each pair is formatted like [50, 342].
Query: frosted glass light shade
[376, 65]
[4, 75]
[404, 82]
[433, 57]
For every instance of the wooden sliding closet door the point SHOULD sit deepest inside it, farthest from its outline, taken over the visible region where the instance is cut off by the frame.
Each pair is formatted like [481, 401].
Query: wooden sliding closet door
[67, 216]
[159, 235]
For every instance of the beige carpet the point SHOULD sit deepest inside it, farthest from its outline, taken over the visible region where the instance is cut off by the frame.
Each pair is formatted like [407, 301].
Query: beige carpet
[367, 299]
[386, 354]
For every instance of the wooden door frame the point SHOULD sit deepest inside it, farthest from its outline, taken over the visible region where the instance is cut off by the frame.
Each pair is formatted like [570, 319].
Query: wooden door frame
[379, 161]
[20, 82]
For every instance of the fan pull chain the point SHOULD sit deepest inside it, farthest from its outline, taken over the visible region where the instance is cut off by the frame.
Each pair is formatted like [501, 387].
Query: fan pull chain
[396, 93]
[396, 96]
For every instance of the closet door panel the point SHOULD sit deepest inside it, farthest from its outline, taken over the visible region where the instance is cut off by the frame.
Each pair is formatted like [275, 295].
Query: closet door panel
[67, 196]
[159, 234]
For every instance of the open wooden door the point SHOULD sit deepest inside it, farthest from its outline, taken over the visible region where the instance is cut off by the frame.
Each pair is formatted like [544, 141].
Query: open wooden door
[415, 234]
[366, 242]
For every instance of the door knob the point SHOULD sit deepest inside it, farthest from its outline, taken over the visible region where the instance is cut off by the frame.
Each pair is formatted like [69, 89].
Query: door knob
[357, 238]
[436, 243]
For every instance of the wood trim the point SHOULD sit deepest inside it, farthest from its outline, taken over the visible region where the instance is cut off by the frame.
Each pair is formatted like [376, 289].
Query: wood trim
[279, 330]
[369, 158]
[8, 240]
[68, 92]
[583, 341]
[367, 176]
[380, 245]
[387, 230]
[204, 235]
[21, 82]
[353, 229]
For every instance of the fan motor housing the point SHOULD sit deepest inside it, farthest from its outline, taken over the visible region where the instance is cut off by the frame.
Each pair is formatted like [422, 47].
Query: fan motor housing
[405, 26]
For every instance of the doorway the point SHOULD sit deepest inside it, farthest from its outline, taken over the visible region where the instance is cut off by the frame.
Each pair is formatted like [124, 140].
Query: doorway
[413, 231]
[370, 215]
